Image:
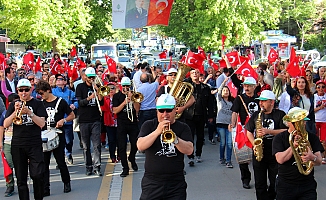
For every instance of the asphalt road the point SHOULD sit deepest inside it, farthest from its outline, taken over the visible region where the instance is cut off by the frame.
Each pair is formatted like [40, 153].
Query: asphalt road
[206, 181]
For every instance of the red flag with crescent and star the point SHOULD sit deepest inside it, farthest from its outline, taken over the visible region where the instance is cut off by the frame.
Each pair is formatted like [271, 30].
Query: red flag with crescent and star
[233, 89]
[37, 67]
[6, 168]
[195, 61]
[28, 60]
[222, 63]
[246, 70]
[3, 65]
[162, 55]
[241, 134]
[201, 52]
[211, 62]
[73, 52]
[233, 58]
[159, 12]
[272, 56]
[112, 65]
[79, 64]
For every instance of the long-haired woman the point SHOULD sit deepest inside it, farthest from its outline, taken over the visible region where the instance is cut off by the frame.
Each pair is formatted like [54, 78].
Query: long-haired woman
[310, 80]
[223, 120]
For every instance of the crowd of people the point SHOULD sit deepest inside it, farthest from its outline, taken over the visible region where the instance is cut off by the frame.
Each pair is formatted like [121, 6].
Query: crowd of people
[103, 109]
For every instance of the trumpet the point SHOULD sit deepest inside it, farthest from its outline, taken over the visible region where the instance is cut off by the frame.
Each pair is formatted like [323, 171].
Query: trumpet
[18, 118]
[168, 136]
[103, 90]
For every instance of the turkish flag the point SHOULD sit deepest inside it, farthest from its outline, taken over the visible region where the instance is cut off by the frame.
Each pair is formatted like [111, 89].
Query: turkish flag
[112, 65]
[28, 60]
[159, 12]
[233, 58]
[272, 56]
[162, 55]
[6, 168]
[73, 52]
[223, 40]
[243, 59]
[195, 61]
[293, 67]
[233, 89]
[201, 52]
[211, 62]
[106, 72]
[183, 59]
[241, 135]
[222, 63]
[37, 67]
[3, 65]
[79, 64]
[246, 70]
[72, 71]
[293, 55]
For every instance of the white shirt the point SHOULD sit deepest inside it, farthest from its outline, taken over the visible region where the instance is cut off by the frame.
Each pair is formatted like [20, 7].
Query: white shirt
[136, 79]
[220, 80]
[320, 115]
[12, 85]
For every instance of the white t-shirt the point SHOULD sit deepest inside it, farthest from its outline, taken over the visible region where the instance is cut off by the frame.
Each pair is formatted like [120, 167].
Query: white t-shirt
[305, 104]
[320, 115]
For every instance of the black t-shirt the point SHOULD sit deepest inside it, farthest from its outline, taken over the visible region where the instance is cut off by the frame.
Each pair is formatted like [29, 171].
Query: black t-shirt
[251, 103]
[28, 134]
[288, 171]
[88, 110]
[122, 116]
[162, 90]
[272, 121]
[53, 116]
[162, 158]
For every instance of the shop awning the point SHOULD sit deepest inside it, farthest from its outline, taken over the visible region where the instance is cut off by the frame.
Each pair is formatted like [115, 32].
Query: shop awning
[4, 39]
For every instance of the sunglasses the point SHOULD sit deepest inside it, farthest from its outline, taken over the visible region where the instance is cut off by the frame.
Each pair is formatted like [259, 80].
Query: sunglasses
[172, 75]
[165, 110]
[321, 87]
[22, 73]
[126, 86]
[31, 79]
[308, 74]
[41, 93]
[60, 79]
[91, 77]
[112, 88]
[24, 89]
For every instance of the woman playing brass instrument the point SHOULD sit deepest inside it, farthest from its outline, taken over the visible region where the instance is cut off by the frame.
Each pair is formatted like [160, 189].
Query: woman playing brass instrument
[291, 183]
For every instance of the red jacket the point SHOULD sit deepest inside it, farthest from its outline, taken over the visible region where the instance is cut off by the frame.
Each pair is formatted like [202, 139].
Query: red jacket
[109, 117]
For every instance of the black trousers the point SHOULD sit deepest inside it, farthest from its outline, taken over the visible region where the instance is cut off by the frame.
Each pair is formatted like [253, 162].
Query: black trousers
[267, 167]
[299, 191]
[32, 158]
[163, 190]
[59, 155]
[245, 173]
[197, 125]
[124, 130]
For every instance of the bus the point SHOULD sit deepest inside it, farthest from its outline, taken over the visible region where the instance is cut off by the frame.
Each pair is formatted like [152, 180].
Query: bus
[114, 50]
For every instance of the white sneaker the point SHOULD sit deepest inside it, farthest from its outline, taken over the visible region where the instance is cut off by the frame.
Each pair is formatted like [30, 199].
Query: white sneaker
[198, 159]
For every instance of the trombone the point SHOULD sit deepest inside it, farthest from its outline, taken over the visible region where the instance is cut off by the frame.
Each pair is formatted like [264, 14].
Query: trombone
[136, 96]
[129, 106]
[103, 90]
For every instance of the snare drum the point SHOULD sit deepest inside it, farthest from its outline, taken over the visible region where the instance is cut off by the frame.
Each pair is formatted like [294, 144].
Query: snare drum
[243, 155]
[52, 139]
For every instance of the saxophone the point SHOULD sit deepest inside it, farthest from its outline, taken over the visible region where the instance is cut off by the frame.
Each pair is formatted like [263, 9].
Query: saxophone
[258, 142]
[297, 118]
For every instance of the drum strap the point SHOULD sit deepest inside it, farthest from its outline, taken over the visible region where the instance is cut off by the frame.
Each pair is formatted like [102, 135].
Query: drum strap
[55, 110]
[244, 105]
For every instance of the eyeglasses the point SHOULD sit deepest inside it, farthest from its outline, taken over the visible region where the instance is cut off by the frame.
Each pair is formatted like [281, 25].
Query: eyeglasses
[321, 87]
[126, 86]
[60, 79]
[22, 73]
[91, 77]
[41, 93]
[31, 79]
[24, 89]
[165, 110]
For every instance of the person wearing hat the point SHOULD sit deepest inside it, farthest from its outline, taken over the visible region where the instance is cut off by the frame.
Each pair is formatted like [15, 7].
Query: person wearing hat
[126, 112]
[272, 123]
[170, 77]
[164, 162]
[26, 144]
[90, 121]
[320, 112]
[244, 106]
[291, 184]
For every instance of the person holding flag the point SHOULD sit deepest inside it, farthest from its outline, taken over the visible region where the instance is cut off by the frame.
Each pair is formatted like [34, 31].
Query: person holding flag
[243, 107]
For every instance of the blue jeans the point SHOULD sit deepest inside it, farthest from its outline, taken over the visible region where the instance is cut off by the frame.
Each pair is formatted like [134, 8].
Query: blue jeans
[226, 138]
[112, 140]
[69, 135]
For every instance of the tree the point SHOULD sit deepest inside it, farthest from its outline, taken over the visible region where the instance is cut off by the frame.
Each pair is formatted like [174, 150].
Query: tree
[201, 22]
[49, 24]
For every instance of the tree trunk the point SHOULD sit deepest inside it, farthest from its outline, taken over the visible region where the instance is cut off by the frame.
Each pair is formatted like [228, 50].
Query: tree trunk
[54, 45]
[302, 39]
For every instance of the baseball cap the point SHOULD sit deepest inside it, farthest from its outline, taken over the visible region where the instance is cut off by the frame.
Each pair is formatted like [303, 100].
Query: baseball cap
[172, 70]
[319, 82]
[23, 83]
[125, 81]
[165, 101]
[90, 71]
[266, 95]
[249, 81]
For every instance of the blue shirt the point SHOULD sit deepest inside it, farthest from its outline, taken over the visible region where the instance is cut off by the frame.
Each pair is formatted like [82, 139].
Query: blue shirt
[149, 92]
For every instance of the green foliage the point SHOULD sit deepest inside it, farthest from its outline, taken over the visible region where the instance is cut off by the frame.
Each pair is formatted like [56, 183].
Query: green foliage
[48, 23]
[201, 22]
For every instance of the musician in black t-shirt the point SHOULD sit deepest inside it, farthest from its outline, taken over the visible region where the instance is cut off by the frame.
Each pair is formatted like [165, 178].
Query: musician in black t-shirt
[26, 144]
[126, 111]
[290, 183]
[272, 123]
[90, 121]
[164, 162]
[56, 109]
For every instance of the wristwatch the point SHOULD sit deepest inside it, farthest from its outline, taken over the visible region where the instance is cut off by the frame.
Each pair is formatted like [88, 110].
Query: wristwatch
[176, 140]
[32, 115]
[315, 158]
[64, 120]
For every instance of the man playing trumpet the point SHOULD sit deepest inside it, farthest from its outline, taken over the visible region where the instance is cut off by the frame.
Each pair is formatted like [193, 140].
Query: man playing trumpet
[164, 163]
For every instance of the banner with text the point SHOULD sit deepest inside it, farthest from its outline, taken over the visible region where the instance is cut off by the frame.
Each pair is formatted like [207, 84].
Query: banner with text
[140, 13]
